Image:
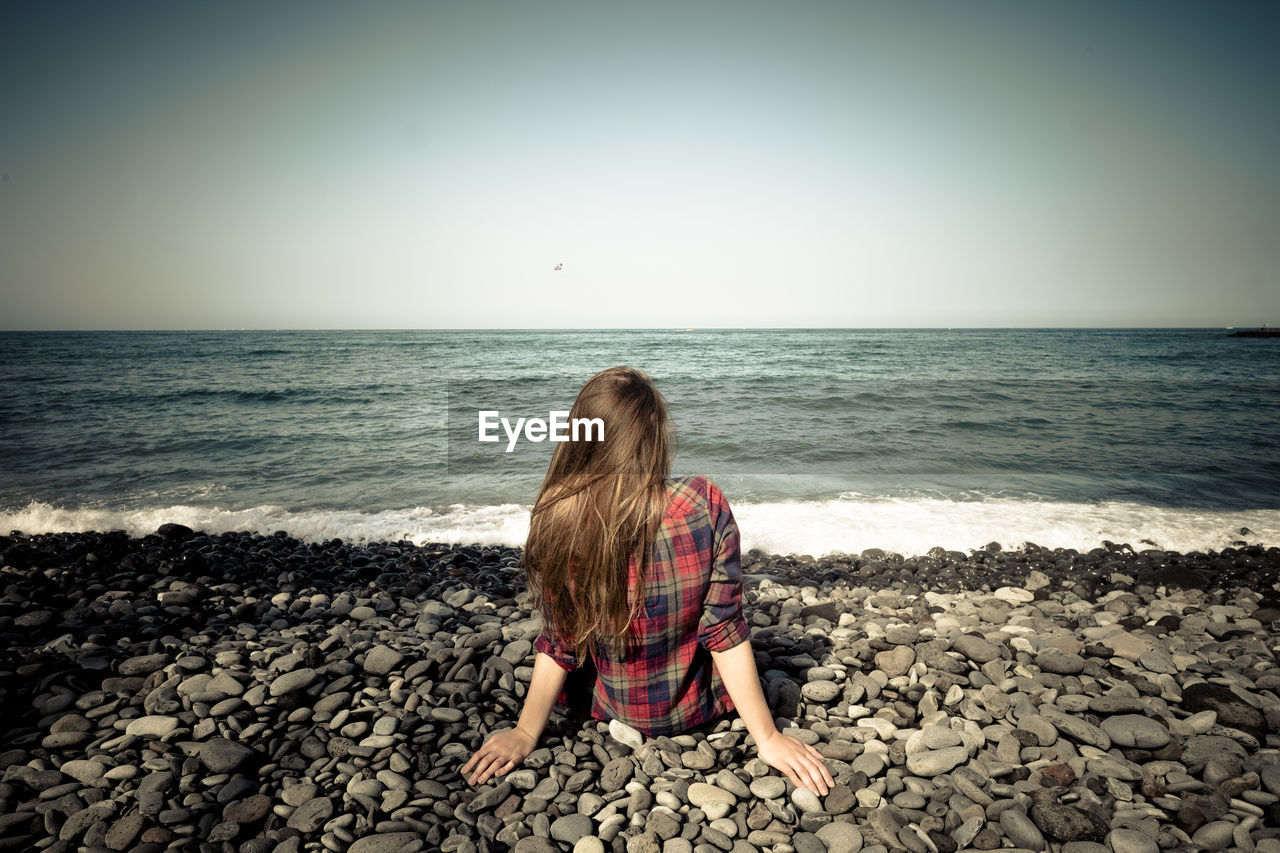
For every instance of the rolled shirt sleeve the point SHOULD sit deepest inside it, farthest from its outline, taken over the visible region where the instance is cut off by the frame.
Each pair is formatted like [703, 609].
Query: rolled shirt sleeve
[722, 625]
[554, 648]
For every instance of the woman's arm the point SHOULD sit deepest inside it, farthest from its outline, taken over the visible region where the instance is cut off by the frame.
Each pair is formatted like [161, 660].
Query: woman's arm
[504, 750]
[801, 763]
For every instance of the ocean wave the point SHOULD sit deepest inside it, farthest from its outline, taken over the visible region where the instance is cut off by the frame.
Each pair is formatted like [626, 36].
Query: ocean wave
[914, 525]
[848, 524]
[505, 524]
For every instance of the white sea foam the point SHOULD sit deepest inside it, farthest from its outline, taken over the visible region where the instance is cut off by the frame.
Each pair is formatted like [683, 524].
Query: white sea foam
[914, 525]
[848, 524]
[505, 524]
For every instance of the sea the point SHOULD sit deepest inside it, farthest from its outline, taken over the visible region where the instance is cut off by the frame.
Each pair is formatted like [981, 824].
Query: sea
[823, 440]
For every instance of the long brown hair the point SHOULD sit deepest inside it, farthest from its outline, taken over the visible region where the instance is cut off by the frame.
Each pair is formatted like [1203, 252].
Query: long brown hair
[600, 505]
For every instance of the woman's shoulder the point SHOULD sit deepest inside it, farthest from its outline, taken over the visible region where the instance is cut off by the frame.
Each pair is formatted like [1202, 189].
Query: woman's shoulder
[693, 492]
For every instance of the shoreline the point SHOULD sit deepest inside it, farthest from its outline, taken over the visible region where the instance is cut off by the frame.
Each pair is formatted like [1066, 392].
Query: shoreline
[847, 524]
[256, 693]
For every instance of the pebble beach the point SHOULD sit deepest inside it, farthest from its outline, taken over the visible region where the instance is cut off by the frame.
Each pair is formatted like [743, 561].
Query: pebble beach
[262, 694]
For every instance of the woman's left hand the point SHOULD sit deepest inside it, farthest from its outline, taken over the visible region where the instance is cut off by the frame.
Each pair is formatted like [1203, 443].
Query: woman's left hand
[501, 753]
[799, 762]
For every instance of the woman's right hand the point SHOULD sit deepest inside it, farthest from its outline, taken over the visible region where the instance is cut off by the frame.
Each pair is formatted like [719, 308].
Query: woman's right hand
[799, 762]
[501, 753]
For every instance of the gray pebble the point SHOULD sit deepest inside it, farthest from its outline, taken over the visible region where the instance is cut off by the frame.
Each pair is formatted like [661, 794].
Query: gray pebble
[388, 842]
[729, 781]
[1134, 730]
[1216, 835]
[223, 756]
[933, 762]
[701, 795]
[1124, 840]
[310, 816]
[820, 691]
[381, 660]
[768, 787]
[806, 800]
[299, 679]
[1060, 663]
[616, 774]
[571, 827]
[840, 837]
[976, 649]
[152, 726]
[1020, 830]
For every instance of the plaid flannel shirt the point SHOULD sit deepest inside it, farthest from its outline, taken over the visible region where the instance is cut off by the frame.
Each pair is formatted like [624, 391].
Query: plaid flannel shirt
[667, 683]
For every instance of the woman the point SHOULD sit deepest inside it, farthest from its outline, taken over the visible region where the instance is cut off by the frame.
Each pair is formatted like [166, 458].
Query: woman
[638, 576]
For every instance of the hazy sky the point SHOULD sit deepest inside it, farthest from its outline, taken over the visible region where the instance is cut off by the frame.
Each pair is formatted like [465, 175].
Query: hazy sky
[427, 164]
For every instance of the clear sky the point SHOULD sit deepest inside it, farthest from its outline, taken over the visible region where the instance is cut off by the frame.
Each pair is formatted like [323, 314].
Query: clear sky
[427, 164]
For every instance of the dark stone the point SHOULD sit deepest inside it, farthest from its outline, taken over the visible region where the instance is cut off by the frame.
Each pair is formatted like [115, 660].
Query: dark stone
[840, 800]
[829, 610]
[1213, 805]
[173, 531]
[986, 839]
[616, 774]
[807, 842]
[1190, 819]
[249, 810]
[1067, 823]
[1058, 774]
[943, 842]
[1233, 711]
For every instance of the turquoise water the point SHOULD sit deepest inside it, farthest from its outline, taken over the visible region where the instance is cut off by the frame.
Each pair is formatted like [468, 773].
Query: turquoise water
[832, 437]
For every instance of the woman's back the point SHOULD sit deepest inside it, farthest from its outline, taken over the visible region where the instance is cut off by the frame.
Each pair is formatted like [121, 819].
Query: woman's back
[664, 681]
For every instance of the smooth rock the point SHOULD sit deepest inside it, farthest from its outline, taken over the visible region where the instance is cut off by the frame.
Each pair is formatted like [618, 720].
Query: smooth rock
[806, 800]
[1020, 830]
[820, 691]
[1134, 730]
[771, 787]
[381, 660]
[310, 816]
[1216, 835]
[976, 649]
[1126, 840]
[625, 735]
[702, 795]
[143, 664]
[895, 661]
[840, 837]
[616, 774]
[298, 679]
[87, 771]
[933, 762]
[1060, 663]
[387, 842]
[156, 726]
[224, 756]
[571, 828]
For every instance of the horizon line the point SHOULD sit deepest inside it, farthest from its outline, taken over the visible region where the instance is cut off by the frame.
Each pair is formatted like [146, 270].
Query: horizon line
[618, 329]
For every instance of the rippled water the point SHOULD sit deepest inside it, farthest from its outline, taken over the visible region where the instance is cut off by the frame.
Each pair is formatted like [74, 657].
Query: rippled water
[821, 436]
